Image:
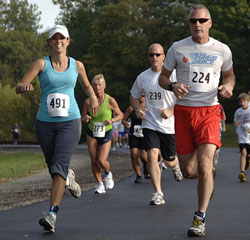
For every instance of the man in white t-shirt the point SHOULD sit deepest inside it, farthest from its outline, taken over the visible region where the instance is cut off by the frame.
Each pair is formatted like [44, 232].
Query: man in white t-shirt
[157, 120]
[199, 61]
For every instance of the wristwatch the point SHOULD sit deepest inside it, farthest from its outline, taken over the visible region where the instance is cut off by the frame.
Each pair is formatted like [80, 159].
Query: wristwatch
[171, 86]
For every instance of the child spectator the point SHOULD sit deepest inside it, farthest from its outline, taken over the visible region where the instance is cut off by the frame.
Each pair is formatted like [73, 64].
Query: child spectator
[242, 122]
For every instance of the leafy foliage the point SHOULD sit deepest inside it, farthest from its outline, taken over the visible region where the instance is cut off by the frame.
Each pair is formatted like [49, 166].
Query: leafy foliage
[110, 37]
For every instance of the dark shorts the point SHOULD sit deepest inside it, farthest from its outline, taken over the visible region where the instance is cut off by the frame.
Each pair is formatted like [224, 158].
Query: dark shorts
[136, 142]
[58, 141]
[246, 146]
[101, 140]
[165, 142]
[126, 130]
[122, 134]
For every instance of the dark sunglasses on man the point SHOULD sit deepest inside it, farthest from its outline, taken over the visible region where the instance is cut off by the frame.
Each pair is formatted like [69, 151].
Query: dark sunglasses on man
[200, 20]
[154, 54]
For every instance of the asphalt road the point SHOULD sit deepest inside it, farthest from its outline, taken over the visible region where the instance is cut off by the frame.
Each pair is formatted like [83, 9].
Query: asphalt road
[125, 213]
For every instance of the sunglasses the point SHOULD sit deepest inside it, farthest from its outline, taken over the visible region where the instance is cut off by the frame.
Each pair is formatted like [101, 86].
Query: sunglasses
[200, 20]
[154, 54]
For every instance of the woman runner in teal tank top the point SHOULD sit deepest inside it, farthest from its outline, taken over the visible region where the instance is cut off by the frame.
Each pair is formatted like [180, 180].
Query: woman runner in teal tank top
[58, 123]
[99, 133]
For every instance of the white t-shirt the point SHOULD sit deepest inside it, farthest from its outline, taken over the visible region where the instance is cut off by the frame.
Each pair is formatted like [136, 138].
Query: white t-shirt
[115, 126]
[243, 117]
[199, 66]
[121, 126]
[156, 98]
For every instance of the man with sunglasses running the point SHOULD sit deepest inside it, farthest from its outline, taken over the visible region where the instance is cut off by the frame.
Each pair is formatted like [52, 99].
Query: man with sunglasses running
[157, 120]
[199, 61]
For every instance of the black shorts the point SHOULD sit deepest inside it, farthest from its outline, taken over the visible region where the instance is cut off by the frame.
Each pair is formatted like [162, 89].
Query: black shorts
[246, 146]
[101, 140]
[165, 142]
[136, 142]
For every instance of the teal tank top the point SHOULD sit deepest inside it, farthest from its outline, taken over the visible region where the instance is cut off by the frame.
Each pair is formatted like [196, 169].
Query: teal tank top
[58, 103]
[104, 113]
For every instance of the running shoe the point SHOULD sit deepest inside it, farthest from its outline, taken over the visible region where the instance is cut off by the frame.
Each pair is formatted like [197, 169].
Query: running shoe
[99, 189]
[157, 199]
[247, 162]
[242, 177]
[162, 165]
[72, 185]
[177, 173]
[198, 227]
[216, 160]
[48, 222]
[138, 179]
[145, 171]
[108, 180]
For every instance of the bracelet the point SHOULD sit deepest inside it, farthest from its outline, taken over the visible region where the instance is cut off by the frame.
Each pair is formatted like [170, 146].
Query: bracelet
[112, 120]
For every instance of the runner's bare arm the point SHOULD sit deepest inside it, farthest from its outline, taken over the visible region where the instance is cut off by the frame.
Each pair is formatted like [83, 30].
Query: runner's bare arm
[118, 115]
[25, 83]
[179, 89]
[164, 79]
[87, 87]
[85, 117]
[135, 103]
[126, 116]
[228, 82]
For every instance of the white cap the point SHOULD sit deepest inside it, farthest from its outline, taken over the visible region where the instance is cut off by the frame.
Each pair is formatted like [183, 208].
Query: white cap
[59, 29]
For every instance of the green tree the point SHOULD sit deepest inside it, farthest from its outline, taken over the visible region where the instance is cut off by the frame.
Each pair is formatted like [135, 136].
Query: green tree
[119, 46]
[19, 15]
[20, 45]
[231, 25]
[14, 108]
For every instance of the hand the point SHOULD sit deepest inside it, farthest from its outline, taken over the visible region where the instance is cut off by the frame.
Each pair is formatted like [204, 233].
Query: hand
[180, 90]
[166, 113]
[128, 124]
[226, 91]
[27, 87]
[108, 122]
[86, 119]
[236, 124]
[140, 113]
[94, 105]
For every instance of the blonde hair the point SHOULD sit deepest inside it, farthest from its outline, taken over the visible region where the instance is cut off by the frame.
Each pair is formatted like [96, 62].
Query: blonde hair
[244, 96]
[99, 77]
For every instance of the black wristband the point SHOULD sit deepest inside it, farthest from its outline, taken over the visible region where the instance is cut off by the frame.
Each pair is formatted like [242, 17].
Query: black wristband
[171, 86]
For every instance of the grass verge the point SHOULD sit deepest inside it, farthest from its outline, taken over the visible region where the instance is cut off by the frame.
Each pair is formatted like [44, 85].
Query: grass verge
[230, 138]
[17, 165]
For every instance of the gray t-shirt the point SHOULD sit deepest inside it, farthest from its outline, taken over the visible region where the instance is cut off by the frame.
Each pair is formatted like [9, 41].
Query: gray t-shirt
[199, 66]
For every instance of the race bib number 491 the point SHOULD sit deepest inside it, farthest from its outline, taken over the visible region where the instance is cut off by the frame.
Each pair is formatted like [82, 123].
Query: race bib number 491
[58, 104]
